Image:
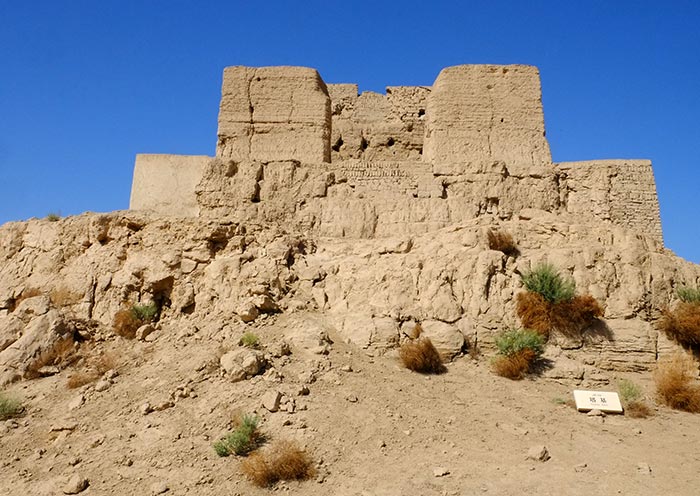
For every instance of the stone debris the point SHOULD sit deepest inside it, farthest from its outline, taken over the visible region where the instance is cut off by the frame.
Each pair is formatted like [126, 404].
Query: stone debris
[159, 488]
[76, 484]
[538, 453]
[643, 468]
[440, 472]
[271, 401]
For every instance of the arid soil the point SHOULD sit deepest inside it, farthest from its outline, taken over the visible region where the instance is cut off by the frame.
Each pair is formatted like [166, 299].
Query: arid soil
[371, 426]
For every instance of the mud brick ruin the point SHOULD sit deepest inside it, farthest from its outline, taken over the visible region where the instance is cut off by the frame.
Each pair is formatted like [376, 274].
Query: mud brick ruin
[324, 158]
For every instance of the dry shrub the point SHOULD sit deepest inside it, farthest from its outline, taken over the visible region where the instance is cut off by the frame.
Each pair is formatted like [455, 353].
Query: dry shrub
[62, 296]
[502, 241]
[683, 324]
[676, 385]
[514, 366]
[126, 324]
[637, 409]
[282, 461]
[421, 356]
[60, 354]
[569, 317]
[534, 312]
[96, 367]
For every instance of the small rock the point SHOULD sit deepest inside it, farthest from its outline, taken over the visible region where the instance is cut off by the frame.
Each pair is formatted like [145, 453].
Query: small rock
[159, 488]
[352, 398]
[440, 472]
[146, 408]
[643, 468]
[76, 402]
[102, 385]
[247, 311]
[346, 368]
[73, 461]
[280, 349]
[76, 484]
[303, 390]
[596, 413]
[580, 467]
[144, 331]
[271, 401]
[538, 453]
[110, 374]
[48, 370]
[66, 425]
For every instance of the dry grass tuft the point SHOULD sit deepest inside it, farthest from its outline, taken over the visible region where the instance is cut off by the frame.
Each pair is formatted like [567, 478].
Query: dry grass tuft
[637, 409]
[682, 324]
[282, 461]
[502, 241]
[63, 296]
[421, 356]
[514, 366]
[676, 384]
[569, 317]
[126, 324]
[96, 367]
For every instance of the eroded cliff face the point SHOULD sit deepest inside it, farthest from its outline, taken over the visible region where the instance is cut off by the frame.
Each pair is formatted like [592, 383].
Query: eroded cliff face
[206, 274]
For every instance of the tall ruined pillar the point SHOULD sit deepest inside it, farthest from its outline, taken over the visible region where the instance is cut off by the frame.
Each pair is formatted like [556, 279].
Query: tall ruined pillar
[274, 113]
[484, 114]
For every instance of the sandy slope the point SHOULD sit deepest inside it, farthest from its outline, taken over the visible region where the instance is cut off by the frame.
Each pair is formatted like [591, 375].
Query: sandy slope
[376, 430]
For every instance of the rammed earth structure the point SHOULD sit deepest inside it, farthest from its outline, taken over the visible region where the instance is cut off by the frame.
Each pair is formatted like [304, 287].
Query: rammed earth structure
[295, 150]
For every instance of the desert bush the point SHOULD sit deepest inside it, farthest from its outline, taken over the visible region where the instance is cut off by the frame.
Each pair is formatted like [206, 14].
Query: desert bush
[126, 324]
[421, 356]
[682, 324]
[145, 313]
[128, 320]
[9, 407]
[249, 340]
[282, 461]
[501, 241]
[95, 367]
[631, 396]
[676, 384]
[688, 295]
[514, 341]
[546, 281]
[53, 217]
[518, 350]
[244, 439]
[569, 317]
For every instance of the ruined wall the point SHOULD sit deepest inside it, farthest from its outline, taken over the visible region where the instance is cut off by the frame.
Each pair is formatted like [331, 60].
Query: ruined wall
[372, 126]
[166, 183]
[486, 113]
[620, 191]
[274, 113]
[293, 150]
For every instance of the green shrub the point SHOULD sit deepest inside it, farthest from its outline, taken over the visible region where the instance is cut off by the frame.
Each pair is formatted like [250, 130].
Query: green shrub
[629, 391]
[688, 295]
[53, 217]
[244, 439]
[514, 341]
[9, 407]
[546, 281]
[145, 313]
[249, 340]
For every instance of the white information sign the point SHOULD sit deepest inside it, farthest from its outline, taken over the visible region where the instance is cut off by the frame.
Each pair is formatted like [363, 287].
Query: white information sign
[597, 400]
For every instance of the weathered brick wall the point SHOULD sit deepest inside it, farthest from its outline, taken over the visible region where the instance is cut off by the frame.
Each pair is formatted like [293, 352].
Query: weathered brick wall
[620, 191]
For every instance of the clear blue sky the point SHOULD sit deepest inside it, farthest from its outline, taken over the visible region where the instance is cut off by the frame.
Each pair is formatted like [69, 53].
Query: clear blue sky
[86, 85]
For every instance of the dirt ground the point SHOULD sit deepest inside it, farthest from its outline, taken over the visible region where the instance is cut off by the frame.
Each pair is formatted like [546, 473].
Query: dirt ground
[372, 427]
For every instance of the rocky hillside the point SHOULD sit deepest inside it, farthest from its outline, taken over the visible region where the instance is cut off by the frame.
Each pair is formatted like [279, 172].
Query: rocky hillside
[137, 411]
